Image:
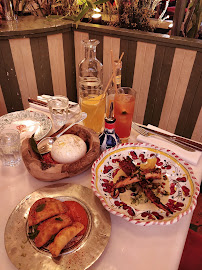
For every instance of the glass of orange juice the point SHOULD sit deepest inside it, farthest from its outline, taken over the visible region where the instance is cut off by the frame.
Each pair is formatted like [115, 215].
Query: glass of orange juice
[94, 106]
[124, 104]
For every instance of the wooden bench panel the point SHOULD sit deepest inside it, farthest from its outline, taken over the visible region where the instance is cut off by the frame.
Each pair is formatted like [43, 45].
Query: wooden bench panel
[142, 77]
[179, 77]
[56, 55]
[167, 78]
[21, 49]
[161, 76]
[3, 109]
[8, 79]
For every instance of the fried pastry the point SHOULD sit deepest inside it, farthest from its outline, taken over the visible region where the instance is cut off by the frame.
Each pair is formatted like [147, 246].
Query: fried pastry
[45, 208]
[50, 227]
[64, 237]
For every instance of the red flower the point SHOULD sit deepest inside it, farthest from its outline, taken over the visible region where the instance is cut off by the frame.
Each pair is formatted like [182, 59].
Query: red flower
[186, 191]
[181, 179]
[172, 189]
[133, 155]
[107, 169]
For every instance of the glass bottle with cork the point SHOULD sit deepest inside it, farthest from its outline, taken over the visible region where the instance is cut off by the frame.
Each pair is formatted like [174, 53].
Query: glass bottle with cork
[91, 96]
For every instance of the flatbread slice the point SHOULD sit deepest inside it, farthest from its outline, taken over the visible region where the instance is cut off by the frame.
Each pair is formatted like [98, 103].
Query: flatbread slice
[64, 237]
[45, 208]
[50, 227]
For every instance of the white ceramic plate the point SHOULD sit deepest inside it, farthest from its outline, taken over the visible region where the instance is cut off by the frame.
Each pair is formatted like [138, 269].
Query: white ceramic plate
[27, 123]
[183, 188]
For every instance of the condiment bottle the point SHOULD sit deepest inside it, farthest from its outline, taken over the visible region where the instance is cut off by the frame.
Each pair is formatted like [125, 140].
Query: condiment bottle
[109, 138]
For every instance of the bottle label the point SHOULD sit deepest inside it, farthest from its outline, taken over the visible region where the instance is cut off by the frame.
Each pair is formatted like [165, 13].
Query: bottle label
[118, 79]
[109, 125]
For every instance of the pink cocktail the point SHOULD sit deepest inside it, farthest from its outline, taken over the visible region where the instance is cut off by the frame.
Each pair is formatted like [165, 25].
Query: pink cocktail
[124, 104]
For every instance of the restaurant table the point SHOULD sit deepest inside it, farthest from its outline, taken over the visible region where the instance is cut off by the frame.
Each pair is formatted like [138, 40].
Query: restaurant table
[130, 246]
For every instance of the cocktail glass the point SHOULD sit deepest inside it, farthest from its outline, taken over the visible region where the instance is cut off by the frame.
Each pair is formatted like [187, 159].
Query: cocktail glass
[94, 106]
[124, 104]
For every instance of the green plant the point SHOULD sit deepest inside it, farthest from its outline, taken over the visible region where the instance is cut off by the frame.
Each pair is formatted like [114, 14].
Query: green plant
[193, 19]
[87, 6]
[135, 14]
[67, 9]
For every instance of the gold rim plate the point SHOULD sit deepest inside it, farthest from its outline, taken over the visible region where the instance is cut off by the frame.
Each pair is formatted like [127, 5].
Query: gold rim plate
[24, 255]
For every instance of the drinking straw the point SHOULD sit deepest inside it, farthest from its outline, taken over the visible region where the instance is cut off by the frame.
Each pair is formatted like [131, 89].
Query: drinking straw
[110, 80]
[111, 109]
[114, 72]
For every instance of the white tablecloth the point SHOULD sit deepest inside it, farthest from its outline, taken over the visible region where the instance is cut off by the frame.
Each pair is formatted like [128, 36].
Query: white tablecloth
[130, 246]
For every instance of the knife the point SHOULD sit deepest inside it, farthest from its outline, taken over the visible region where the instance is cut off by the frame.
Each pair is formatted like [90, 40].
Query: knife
[37, 102]
[187, 142]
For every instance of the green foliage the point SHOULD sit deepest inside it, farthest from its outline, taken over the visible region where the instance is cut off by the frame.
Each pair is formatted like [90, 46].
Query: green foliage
[196, 20]
[67, 9]
[40, 207]
[191, 25]
[135, 14]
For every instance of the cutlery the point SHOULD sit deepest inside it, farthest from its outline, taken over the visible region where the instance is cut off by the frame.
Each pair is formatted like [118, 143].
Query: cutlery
[45, 145]
[37, 102]
[44, 104]
[183, 143]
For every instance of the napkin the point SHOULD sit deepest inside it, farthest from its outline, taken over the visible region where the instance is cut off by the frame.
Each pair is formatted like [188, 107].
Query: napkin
[38, 107]
[190, 157]
[44, 98]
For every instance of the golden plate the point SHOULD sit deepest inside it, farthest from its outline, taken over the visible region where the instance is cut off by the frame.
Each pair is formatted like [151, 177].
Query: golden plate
[24, 255]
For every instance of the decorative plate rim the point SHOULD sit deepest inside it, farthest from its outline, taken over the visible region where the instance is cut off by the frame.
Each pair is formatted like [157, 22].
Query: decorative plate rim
[186, 165]
[17, 235]
[34, 115]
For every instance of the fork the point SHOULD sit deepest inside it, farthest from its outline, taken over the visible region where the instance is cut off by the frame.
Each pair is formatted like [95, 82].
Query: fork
[146, 133]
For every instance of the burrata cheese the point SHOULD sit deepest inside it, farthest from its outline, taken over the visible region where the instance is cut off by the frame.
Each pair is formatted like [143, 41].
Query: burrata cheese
[68, 148]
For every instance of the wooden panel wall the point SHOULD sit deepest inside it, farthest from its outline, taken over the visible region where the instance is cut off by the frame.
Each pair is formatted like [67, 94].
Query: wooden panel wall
[56, 55]
[8, 79]
[32, 66]
[3, 109]
[21, 49]
[79, 51]
[167, 77]
[167, 80]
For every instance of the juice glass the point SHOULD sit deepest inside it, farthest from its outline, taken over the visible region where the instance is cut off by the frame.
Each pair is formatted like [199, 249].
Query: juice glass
[124, 103]
[94, 106]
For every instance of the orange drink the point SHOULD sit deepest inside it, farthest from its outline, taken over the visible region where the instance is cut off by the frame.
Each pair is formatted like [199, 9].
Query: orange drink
[94, 106]
[124, 103]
